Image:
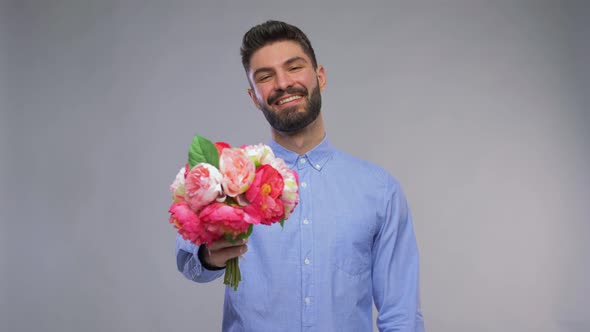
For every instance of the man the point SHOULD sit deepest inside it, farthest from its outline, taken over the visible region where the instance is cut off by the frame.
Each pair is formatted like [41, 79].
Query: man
[349, 242]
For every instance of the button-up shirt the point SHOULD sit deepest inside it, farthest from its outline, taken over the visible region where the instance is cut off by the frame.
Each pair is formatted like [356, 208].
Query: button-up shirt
[349, 242]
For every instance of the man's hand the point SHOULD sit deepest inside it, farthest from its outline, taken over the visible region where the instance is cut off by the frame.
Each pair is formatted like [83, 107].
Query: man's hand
[220, 251]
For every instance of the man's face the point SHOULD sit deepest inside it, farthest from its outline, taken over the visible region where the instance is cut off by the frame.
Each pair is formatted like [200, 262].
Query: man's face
[285, 86]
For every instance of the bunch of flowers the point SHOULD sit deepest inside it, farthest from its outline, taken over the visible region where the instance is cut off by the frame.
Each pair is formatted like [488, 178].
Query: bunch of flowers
[223, 191]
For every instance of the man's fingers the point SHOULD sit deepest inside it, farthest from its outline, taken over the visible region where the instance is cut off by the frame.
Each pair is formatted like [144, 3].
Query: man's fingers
[220, 256]
[220, 251]
[225, 244]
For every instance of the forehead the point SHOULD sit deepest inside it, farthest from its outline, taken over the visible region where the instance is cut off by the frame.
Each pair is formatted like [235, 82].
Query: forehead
[276, 54]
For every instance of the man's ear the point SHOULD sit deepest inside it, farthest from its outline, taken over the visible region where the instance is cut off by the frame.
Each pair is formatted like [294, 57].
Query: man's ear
[321, 74]
[253, 97]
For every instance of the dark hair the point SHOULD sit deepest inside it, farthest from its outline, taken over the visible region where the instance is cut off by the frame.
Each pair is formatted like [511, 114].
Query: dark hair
[273, 31]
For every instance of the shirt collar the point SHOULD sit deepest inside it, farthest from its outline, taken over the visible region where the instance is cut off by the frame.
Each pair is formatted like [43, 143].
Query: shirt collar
[316, 157]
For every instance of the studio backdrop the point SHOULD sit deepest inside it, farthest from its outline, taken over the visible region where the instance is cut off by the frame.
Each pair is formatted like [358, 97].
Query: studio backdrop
[478, 108]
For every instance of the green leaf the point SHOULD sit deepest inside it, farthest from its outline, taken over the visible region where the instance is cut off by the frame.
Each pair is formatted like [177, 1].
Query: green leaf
[282, 222]
[202, 151]
[230, 238]
[246, 234]
[231, 201]
[241, 236]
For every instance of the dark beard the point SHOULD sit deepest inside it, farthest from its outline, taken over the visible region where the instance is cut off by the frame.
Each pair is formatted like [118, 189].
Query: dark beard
[290, 120]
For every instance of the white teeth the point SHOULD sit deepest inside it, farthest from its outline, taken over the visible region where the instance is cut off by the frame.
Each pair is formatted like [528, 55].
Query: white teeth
[286, 100]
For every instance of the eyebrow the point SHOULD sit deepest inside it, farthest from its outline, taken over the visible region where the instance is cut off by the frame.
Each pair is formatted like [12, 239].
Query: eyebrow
[288, 62]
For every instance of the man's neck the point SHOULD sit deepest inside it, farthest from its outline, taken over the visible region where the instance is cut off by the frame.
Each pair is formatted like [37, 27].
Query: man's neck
[304, 140]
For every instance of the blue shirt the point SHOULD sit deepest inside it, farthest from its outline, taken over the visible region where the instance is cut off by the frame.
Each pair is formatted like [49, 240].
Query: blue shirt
[349, 242]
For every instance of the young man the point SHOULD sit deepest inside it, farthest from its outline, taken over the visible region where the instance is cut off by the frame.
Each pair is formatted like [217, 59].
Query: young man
[349, 242]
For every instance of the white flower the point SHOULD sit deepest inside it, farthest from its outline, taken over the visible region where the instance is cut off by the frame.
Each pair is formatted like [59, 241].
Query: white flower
[177, 187]
[290, 195]
[260, 154]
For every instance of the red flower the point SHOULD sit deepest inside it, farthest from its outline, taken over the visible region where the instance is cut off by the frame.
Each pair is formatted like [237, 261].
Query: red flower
[220, 146]
[220, 218]
[186, 170]
[264, 196]
[189, 225]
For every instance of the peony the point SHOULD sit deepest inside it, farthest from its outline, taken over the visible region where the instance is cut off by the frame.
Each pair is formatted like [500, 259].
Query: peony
[188, 224]
[264, 195]
[202, 185]
[177, 187]
[260, 154]
[221, 146]
[261, 189]
[290, 195]
[219, 218]
[237, 171]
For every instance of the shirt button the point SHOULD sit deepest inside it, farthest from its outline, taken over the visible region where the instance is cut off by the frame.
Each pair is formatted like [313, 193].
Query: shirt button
[305, 221]
[307, 261]
[307, 300]
[303, 184]
[302, 161]
[317, 166]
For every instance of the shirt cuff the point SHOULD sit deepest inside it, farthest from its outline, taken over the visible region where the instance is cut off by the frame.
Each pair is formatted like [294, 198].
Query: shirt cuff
[200, 255]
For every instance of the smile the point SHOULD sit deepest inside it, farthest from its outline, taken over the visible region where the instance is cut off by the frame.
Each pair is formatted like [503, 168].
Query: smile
[288, 99]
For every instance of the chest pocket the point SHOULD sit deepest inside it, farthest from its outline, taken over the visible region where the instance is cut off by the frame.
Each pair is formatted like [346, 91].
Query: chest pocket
[351, 241]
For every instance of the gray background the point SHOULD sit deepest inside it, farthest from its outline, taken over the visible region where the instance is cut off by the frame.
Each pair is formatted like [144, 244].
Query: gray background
[479, 108]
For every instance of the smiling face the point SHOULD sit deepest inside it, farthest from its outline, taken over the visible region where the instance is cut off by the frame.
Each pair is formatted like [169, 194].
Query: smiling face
[285, 86]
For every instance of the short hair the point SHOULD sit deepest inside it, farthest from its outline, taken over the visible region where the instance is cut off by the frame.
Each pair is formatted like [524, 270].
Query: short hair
[273, 31]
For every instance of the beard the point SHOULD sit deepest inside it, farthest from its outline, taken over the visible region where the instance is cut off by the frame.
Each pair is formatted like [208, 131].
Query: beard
[291, 120]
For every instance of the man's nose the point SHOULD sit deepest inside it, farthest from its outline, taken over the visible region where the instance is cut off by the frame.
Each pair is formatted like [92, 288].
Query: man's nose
[283, 81]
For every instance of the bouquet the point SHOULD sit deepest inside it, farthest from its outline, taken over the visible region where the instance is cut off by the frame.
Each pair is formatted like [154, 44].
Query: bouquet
[223, 191]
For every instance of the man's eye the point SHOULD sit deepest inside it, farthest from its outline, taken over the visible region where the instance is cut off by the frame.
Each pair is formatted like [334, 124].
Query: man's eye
[263, 78]
[294, 68]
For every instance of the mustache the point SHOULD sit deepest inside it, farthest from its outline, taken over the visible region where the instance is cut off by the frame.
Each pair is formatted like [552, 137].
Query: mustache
[290, 90]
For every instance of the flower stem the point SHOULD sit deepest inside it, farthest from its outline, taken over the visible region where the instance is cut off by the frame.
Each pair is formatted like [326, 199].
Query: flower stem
[233, 275]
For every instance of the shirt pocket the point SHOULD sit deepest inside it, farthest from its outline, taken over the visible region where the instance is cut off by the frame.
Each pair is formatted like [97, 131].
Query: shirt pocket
[351, 245]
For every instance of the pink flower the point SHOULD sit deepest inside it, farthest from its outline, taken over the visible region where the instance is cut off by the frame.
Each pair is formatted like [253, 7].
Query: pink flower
[203, 185]
[220, 218]
[189, 225]
[290, 195]
[237, 171]
[264, 195]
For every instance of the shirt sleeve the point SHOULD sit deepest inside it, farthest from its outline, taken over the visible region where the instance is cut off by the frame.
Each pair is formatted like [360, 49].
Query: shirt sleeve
[188, 263]
[395, 266]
